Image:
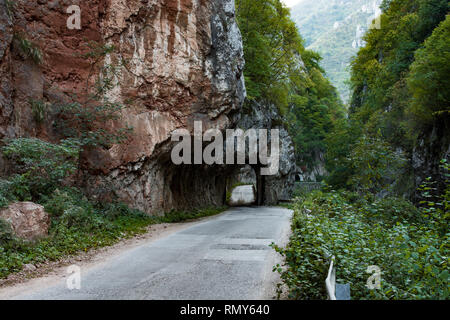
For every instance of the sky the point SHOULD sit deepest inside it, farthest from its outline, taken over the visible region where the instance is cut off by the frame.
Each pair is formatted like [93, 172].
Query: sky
[291, 3]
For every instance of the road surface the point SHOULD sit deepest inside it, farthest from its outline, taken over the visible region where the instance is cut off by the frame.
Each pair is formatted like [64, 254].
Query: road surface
[225, 257]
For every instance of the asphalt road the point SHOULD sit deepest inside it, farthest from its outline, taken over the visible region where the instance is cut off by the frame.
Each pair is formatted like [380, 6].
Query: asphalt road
[226, 257]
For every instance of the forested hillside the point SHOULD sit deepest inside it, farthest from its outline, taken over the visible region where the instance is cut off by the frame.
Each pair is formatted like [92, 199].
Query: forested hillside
[401, 90]
[281, 71]
[335, 29]
[387, 199]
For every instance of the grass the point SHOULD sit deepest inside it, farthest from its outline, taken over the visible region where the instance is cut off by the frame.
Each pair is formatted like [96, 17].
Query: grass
[79, 225]
[290, 206]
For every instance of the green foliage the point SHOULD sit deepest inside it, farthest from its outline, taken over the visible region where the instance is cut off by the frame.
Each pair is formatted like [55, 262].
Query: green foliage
[179, 216]
[340, 142]
[329, 28]
[28, 49]
[16, 188]
[91, 118]
[412, 255]
[5, 193]
[271, 45]
[40, 166]
[39, 110]
[428, 79]
[436, 207]
[279, 70]
[375, 165]
[6, 233]
[380, 71]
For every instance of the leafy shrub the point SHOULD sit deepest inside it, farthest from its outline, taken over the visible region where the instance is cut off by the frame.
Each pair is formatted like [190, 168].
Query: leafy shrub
[435, 206]
[114, 211]
[428, 79]
[413, 256]
[375, 165]
[58, 203]
[5, 196]
[41, 166]
[16, 188]
[6, 233]
[83, 219]
[392, 210]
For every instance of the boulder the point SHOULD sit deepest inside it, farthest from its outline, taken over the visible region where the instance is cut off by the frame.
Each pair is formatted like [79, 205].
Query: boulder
[242, 196]
[28, 220]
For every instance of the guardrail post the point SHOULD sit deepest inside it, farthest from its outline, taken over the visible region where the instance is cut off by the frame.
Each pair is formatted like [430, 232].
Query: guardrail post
[330, 281]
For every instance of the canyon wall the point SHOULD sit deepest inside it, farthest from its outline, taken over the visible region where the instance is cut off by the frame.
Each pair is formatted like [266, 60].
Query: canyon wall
[183, 63]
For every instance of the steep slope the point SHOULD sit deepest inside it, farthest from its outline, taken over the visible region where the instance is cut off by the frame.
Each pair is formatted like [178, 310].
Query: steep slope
[281, 74]
[400, 101]
[169, 63]
[335, 29]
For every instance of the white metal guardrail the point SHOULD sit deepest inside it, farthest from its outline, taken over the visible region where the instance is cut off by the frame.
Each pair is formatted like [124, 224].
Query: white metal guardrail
[336, 291]
[330, 281]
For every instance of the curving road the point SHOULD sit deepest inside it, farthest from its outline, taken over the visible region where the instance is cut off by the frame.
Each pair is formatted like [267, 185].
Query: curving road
[226, 257]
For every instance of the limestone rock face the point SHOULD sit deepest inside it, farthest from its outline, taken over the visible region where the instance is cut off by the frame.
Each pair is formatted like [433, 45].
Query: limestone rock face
[432, 147]
[280, 186]
[184, 62]
[28, 220]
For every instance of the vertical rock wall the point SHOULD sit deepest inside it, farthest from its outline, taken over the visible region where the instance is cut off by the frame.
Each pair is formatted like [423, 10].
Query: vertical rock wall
[184, 63]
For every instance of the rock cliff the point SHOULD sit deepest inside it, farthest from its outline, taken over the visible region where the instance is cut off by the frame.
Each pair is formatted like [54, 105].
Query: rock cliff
[184, 63]
[273, 188]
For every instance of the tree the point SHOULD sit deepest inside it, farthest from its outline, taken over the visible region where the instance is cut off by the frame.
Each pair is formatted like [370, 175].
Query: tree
[428, 79]
[375, 165]
[280, 70]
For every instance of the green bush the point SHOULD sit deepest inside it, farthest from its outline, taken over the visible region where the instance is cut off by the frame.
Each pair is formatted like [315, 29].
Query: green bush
[16, 188]
[375, 165]
[392, 210]
[40, 166]
[6, 233]
[413, 256]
